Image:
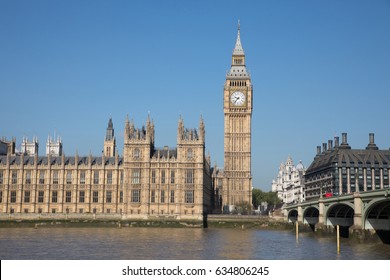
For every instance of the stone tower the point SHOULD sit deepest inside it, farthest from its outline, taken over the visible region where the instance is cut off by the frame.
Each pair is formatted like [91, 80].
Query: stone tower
[54, 147]
[237, 108]
[138, 149]
[30, 148]
[109, 141]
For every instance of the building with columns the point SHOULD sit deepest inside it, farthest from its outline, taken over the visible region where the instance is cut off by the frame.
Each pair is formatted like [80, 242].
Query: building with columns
[338, 169]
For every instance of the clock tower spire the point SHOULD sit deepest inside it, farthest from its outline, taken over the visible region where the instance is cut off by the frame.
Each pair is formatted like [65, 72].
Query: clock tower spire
[237, 100]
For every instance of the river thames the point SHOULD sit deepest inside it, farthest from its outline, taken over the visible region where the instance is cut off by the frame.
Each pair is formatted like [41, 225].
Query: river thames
[178, 244]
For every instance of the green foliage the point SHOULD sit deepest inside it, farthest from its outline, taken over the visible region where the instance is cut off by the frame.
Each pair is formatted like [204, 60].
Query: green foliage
[258, 196]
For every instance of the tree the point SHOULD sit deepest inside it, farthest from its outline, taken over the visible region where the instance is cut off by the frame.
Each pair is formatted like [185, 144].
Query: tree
[258, 196]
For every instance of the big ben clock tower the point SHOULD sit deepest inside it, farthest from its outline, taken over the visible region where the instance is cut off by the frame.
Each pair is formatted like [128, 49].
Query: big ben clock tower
[237, 108]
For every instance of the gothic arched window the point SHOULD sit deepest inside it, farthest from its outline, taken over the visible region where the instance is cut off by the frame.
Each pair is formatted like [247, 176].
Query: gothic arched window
[137, 153]
[190, 154]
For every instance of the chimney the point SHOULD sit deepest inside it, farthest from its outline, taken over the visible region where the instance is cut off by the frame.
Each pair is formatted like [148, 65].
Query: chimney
[336, 142]
[371, 145]
[344, 139]
[371, 136]
[330, 145]
[344, 142]
[324, 147]
[318, 150]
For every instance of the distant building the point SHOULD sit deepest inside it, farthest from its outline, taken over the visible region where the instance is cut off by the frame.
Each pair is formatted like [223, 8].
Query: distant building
[29, 148]
[338, 169]
[109, 142]
[54, 147]
[7, 147]
[289, 183]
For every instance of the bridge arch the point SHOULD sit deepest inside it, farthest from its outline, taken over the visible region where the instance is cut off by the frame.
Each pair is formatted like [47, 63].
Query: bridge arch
[292, 216]
[340, 214]
[377, 214]
[311, 215]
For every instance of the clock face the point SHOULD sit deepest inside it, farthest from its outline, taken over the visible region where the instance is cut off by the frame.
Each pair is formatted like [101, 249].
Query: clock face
[237, 98]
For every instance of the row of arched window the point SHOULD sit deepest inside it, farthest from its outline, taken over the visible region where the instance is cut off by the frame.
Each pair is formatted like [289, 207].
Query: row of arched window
[238, 83]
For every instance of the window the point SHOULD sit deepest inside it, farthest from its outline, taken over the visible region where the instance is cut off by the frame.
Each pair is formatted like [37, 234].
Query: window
[69, 177]
[172, 196]
[53, 210]
[81, 211]
[96, 177]
[153, 176]
[81, 197]
[94, 210]
[135, 196]
[153, 196]
[40, 196]
[28, 177]
[109, 177]
[190, 154]
[172, 177]
[162, 176]
[26, 196]
[14, 177]
[136, 176]
[120, 197]
[55, 177]
[41, 177]
[108, 196]
[189, 177]
[68, 196]
[1, 196]
[82, 177]
[121, 181]
[13, 196]
[54, 196]
[95, 196]
[1, 177]
[137, 153]
[189, 197]
[39, 210]
[162, 196]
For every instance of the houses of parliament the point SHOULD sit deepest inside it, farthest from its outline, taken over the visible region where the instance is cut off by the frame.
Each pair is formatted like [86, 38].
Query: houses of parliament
[146, 181]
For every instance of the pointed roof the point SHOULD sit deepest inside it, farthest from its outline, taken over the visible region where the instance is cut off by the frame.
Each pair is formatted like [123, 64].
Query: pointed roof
[238, 69]
[110, 124]
[238, 50]
[110, 130]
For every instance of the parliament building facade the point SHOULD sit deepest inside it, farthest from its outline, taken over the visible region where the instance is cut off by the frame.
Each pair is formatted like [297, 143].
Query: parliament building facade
[146, 181]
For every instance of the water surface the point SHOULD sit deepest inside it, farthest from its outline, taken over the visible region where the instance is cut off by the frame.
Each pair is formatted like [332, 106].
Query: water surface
[176, 243]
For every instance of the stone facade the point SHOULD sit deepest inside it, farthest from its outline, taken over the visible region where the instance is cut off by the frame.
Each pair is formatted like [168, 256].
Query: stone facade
[145, 182]
[234, 182]
[289, 183]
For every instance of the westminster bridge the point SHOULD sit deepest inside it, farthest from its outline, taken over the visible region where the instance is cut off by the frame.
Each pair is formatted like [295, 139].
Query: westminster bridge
[368, 210]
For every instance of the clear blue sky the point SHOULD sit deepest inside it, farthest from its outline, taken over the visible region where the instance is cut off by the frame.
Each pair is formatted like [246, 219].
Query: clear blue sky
[319, 68]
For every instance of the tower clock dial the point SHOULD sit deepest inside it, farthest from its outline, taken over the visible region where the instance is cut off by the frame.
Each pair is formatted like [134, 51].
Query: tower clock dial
[237, 98]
